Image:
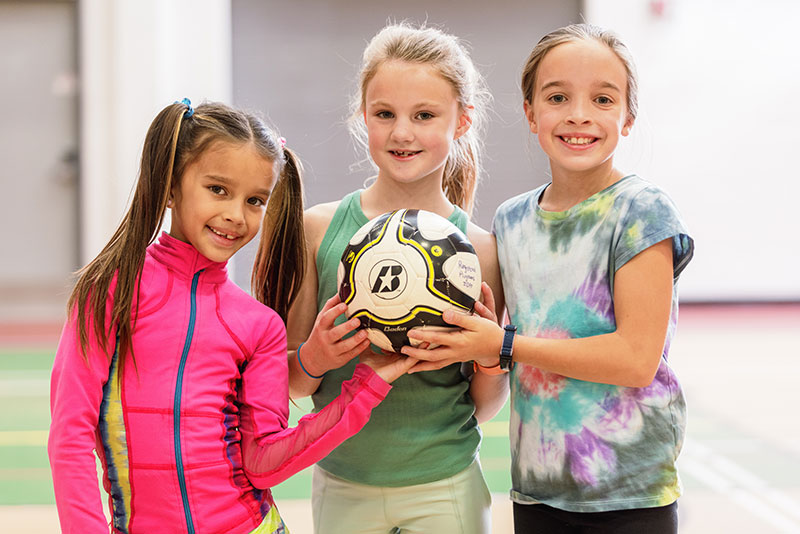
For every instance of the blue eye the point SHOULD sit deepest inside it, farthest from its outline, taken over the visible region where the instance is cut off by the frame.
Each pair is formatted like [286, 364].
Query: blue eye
[558, 99]
[384, 114]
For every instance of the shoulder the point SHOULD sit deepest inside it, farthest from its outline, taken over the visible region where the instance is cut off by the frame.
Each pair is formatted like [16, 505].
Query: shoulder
[317, 218]
[519, 204]
[246, 316]
[638, 189]
[482, 240]
[515, 210]
[646, 200]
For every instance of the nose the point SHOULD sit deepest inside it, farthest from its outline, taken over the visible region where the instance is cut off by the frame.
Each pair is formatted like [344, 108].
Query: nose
[402, 131]
[578, 113]
[234, 212]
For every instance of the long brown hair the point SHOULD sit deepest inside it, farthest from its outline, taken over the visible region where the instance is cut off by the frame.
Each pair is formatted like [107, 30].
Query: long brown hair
[445, 53]
[177, 137]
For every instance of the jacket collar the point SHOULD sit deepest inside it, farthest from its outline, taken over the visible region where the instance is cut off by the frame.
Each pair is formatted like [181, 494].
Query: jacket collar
[184, 260]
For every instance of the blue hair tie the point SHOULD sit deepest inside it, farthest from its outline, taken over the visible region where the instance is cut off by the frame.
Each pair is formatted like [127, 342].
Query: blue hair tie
[190, 110]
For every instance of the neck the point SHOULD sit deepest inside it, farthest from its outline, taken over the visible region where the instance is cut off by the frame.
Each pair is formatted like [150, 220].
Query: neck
[570, 188]
[386, 195]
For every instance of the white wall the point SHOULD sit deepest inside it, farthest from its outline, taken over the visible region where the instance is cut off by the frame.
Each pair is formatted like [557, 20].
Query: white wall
[137, 56]
[719, 113]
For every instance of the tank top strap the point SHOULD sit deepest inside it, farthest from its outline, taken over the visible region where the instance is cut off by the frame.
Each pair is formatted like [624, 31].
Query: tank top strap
[459, 218]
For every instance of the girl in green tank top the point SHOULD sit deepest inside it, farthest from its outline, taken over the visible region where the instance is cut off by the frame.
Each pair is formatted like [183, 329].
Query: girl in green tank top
[418, 110]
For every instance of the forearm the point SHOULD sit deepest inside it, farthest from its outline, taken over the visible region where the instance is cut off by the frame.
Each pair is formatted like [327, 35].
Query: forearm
[607, 358]
[489, 393]
[75, 397]
[272, 455]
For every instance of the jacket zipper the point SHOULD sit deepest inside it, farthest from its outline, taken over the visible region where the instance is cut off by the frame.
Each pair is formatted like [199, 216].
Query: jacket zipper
[176, 408]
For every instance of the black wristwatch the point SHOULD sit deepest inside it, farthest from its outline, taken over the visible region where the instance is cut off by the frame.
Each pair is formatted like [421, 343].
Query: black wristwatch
[508, 345]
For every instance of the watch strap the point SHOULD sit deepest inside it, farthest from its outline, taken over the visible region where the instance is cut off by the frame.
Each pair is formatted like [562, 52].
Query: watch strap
[508, 345]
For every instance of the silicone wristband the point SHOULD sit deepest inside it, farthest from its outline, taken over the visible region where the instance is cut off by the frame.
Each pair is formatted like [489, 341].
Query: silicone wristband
[301, 364]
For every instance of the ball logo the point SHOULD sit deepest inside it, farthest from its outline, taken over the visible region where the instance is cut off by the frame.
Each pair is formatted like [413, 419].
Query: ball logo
[388, 279]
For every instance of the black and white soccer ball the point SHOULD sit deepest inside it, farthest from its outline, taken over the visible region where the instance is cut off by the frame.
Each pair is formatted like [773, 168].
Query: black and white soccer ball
[401, 270]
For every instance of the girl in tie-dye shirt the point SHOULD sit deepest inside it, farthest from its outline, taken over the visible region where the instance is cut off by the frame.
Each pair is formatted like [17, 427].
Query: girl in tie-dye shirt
[590, 263]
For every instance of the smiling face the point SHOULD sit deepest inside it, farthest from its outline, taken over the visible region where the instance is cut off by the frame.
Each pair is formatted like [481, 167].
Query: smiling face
[578, 109]
[219, 201]
[412, 118]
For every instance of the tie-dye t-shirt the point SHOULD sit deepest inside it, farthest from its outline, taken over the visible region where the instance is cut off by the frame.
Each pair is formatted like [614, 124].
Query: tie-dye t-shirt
[575, 445]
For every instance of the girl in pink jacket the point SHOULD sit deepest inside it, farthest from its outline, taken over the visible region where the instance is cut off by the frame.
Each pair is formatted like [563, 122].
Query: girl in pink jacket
[176, 377]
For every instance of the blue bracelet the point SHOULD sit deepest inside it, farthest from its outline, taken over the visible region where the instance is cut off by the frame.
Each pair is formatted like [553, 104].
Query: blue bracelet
[301, 364]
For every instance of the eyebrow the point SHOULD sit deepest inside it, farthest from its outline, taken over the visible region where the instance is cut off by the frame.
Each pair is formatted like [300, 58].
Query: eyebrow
[227, 181]
[383, 103]
[558, 83]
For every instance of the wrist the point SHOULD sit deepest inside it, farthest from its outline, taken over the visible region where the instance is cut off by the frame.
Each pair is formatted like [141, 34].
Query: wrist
[506, 350]
[492, 369]
[307, 370]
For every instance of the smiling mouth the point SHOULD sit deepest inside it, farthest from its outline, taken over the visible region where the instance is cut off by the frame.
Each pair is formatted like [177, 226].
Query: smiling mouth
[222, 234]
[578, 140]
[404, 153]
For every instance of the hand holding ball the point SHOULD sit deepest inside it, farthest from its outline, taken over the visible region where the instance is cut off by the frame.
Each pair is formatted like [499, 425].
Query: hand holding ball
[401, 270]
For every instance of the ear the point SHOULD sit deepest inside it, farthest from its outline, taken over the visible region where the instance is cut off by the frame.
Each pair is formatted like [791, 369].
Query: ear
[530, 117]
[171, 200]
[464, 122]
[626, 128]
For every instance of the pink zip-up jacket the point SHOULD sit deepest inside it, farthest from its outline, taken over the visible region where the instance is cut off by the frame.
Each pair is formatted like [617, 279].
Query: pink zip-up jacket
[194, 434]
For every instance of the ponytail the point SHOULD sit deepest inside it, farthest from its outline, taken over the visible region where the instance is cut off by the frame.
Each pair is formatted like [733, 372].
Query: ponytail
[280, 261]
[177, 137]
[462, 172]
[123, 257]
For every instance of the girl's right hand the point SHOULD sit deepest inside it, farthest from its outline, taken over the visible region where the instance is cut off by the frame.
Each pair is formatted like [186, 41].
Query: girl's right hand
[325, 349]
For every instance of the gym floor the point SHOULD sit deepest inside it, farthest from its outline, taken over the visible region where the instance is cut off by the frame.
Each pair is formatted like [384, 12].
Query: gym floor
[740, 464]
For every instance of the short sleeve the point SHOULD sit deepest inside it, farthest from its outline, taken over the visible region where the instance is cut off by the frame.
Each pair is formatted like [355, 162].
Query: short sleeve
[649, 218]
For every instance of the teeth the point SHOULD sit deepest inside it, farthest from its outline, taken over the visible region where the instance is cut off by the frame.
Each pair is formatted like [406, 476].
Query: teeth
[578, 140]
[402, 153]
[226, 236]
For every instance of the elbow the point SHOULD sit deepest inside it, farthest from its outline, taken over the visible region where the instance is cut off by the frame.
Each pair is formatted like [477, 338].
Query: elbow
[642, 375]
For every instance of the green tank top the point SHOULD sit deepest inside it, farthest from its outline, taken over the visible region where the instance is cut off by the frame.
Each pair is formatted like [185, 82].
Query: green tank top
[425, 429]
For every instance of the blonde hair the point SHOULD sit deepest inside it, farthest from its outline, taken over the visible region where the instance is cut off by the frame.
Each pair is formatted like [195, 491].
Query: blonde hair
[577, 32]
[445, 53]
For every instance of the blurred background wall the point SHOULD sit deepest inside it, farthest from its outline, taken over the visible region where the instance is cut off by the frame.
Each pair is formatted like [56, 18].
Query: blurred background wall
[83, 79]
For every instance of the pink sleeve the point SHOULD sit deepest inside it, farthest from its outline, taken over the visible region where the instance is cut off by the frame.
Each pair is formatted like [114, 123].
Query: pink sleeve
[76, 391]
[272, 451]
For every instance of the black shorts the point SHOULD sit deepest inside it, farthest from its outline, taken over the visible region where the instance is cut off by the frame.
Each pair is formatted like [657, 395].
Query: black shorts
[543, 519]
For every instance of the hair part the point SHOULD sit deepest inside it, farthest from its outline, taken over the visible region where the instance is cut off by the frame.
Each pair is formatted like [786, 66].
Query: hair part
[582, 32]
[173, 141]
[445, 53]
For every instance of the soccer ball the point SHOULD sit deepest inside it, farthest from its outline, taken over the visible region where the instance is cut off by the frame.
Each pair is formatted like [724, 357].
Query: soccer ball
[401, 270]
